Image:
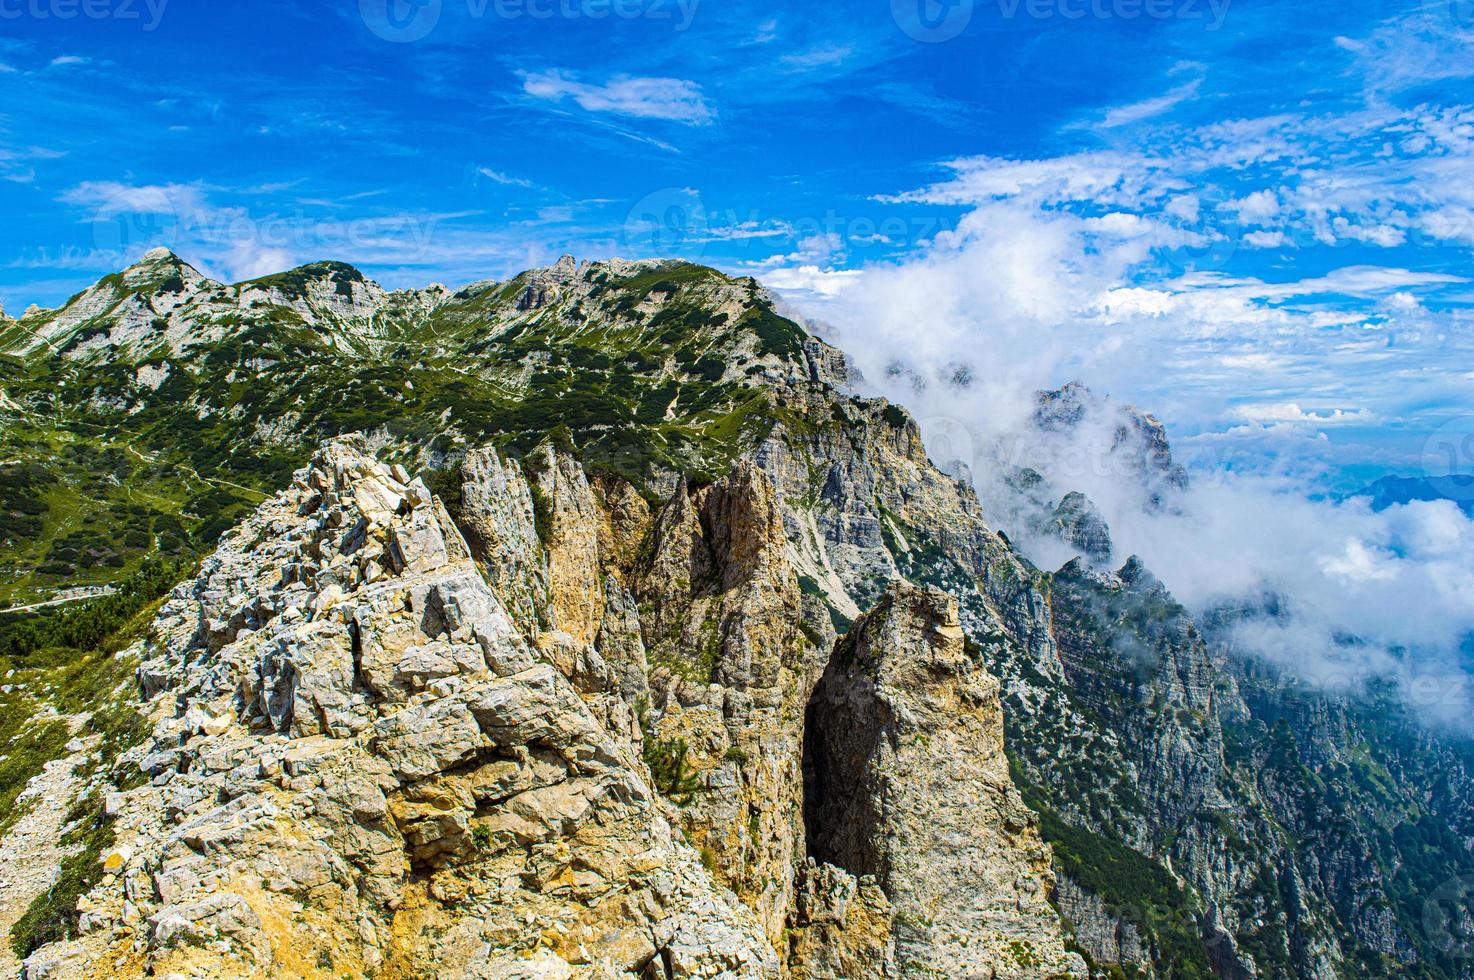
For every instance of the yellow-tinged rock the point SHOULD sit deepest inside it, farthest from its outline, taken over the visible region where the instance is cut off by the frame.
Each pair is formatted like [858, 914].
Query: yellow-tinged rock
[116, 859]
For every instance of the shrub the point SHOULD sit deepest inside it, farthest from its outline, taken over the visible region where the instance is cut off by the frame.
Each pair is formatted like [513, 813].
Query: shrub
[542, 515]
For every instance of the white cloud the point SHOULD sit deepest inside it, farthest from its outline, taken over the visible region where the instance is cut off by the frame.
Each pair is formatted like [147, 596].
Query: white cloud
[234, 242]
[1267, 239]
[498, 177]
[813, 250]
[248, 260]
[1360, 564]
[1106, 177]
[1150, 108]
[810, 282]
[822, 56]
[67, 60]
[109, 197]
[1293, 413]
[1431, 42]
[650, 98]
[1257, 208]
[1184, 208]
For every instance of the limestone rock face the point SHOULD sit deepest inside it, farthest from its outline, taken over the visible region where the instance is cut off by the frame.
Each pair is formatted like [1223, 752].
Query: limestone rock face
[1125, 438]
[1106, 937]
[576, 584]
[908, 792]
[863, 505]
[731, 672]
[361, 764]
[496, 510]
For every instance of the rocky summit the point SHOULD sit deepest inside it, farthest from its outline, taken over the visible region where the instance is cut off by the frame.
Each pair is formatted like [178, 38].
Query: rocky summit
[593, 624]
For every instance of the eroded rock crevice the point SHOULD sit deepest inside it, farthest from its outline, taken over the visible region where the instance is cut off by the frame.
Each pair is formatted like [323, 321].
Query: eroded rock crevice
[922, 857]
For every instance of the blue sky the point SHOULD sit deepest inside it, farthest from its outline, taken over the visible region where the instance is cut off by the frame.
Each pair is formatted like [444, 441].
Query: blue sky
[1253, 216]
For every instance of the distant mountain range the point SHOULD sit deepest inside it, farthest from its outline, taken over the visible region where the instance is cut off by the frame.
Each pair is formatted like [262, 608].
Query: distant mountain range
[1392, 490]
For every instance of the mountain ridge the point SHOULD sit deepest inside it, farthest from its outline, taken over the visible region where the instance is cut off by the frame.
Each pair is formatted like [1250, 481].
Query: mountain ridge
[683, 511]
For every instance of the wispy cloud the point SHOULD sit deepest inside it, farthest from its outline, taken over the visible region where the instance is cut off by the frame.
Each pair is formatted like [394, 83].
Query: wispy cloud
[1150, 108]
[496, 176]
[819, 56]
[648, 98]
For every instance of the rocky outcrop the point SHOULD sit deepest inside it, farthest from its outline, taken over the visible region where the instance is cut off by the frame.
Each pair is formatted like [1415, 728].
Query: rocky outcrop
[361, 764]
[1105, 937]
[731, 673]
[365, 761]
[908, 792]
[1119, 440]
[497, 513]
[571, 536]
[1078, 523]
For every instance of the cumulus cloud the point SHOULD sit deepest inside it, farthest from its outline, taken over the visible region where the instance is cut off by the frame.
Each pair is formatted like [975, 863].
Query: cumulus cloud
[1291, 412]
[1255, 208]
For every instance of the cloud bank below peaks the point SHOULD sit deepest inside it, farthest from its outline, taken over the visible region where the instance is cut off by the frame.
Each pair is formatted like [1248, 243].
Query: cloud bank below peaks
[1132, 273]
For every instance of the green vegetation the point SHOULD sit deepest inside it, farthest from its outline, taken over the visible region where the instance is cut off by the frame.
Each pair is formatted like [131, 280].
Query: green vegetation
[542, 514]
[445, 483]
[666, 758]
[86, 625]
[294, 281]
[52, 917]
[1134, 888]
[62, 665]
[105, 471]
[667, 761]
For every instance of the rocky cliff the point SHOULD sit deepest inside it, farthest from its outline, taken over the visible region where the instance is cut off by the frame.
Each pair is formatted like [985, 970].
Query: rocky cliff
[927, 861]
[590, 624]
[360, 766]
